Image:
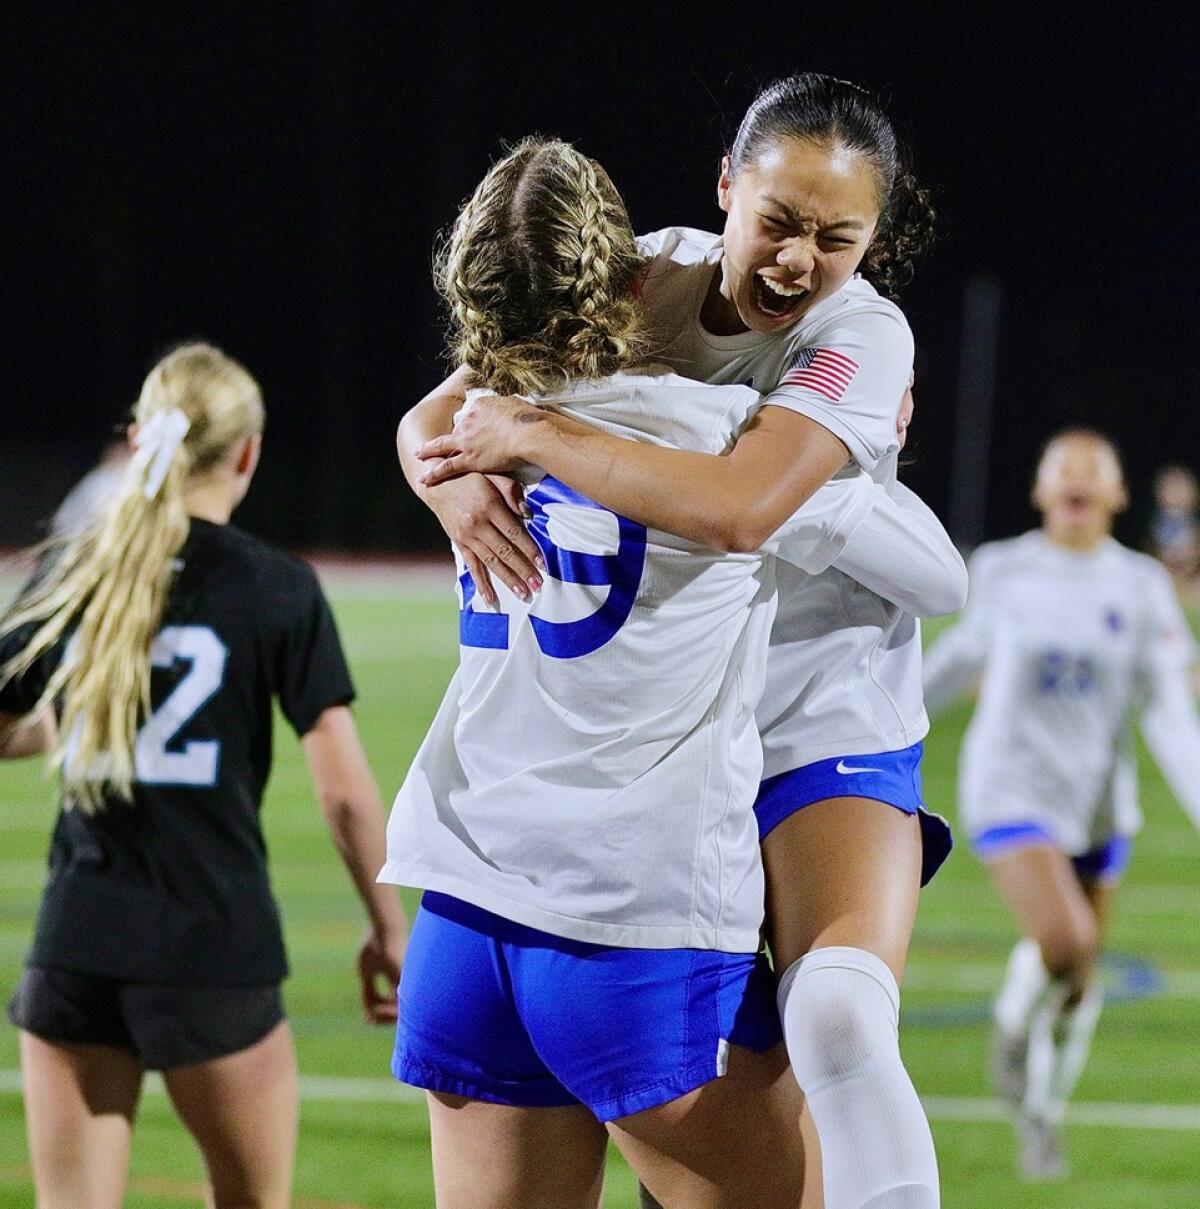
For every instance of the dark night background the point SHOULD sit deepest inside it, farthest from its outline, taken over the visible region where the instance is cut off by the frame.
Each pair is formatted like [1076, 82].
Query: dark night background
[272, 177]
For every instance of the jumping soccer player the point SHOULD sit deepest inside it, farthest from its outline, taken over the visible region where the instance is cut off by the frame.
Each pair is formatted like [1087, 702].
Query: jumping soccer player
[815, 188]
[582, 808]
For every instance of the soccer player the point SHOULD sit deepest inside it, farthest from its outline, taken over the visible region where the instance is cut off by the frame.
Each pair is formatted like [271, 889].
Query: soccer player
[87, 498]
[1072, 633]
[580, 814]
[815, 189]
[159, 636]
[1175, 525]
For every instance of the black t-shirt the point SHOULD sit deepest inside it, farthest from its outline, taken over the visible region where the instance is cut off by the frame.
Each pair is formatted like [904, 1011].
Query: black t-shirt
[173, 887]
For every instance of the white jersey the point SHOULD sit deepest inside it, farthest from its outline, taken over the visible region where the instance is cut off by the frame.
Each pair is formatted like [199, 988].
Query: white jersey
[592, 769]
[844, 674]
[1069, 645]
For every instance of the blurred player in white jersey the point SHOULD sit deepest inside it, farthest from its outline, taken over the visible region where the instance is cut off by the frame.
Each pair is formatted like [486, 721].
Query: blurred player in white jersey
[814, 188]
[92, 493]
[1072, 634]
[580, 814]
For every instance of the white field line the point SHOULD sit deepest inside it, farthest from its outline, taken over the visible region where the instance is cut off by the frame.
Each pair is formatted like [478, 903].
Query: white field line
[939, 1108]
[1114, 1114]
[312, 1087]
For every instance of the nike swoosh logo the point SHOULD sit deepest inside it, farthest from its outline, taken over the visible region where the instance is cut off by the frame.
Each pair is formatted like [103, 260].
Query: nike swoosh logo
[845, 768]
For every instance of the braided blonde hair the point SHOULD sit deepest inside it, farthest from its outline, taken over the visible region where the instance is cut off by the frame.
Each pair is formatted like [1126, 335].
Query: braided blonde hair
[110, 583]
[538, 273]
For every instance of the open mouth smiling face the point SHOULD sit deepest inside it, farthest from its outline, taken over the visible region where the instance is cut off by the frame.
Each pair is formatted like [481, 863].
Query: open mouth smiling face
[1079, 483]
[800, 219]
[777, 298]
[1078, 503]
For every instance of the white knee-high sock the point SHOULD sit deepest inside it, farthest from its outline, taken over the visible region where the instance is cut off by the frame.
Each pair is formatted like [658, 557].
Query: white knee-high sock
[840, 1009]
[1025, 981]
[1042, 1058]
[1076, 1027]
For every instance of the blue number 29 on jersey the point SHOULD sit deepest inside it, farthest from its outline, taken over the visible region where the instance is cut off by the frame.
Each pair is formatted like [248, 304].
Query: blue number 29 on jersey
[620, 571]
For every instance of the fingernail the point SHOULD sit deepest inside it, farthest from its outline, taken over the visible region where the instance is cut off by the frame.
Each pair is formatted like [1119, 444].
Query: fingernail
[522, 591]
[534, 582]
[539, 562]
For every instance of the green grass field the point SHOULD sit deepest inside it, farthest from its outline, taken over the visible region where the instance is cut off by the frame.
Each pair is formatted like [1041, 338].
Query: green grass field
[1135, 1139]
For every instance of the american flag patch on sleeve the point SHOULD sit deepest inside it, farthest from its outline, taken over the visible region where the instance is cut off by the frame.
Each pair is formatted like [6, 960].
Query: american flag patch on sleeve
[823, 370]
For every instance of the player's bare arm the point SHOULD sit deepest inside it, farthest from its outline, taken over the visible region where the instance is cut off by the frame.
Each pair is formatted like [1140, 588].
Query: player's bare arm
[352, 807]
[481, 516]
[733, 503]
[31, 735]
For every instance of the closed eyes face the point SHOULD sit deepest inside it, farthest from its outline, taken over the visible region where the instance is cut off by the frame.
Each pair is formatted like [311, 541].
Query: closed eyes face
[800, 218]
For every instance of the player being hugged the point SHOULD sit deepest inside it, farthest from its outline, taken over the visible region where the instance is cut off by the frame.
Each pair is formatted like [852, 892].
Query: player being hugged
[1072, 634]
[581, 813]
[823, 223]
[159, 636]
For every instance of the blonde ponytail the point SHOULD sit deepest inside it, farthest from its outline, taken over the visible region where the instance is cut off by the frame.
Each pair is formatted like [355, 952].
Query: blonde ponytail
[108, 587]
[539, 274]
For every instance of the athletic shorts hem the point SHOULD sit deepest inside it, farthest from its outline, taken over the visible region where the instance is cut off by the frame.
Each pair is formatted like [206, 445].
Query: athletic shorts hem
[656, 1094]
[163, 1027]
[1104, 863]
[891, 778]
[417, 1074]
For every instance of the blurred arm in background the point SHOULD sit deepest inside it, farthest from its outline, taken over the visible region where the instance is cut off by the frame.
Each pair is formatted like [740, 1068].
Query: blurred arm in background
[1169, 721]
[31, 735]
[955, 661]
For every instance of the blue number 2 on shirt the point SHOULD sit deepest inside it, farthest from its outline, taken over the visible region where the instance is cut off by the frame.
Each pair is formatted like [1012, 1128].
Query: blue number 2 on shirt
[621, 572]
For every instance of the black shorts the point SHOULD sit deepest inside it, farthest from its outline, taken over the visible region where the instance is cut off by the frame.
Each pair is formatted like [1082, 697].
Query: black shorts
[163, 1026]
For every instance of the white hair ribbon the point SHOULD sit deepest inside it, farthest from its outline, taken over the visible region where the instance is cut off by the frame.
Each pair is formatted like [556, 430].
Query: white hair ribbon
[156, 442]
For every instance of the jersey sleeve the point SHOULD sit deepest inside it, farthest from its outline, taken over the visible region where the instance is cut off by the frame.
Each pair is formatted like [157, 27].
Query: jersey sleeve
[956, 659]
[814, 537]
[653, 242]
[902, 553]
[1169, 720]
[1166, 639]
[312, 675]
[850, 378]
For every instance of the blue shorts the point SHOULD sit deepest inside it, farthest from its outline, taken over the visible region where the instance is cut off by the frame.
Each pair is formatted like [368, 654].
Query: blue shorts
[497, 1011]
[1105, 864]
[891, 777]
